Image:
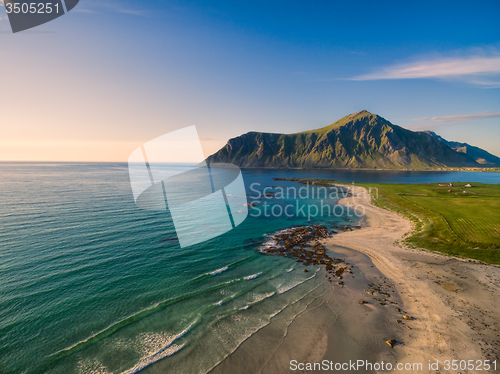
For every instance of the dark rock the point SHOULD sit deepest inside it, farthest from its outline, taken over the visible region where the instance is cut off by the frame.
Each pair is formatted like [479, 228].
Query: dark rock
[302, 243]
[391, 343]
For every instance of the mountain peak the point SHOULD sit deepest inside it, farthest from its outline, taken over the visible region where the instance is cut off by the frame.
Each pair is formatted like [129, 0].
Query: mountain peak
[363, 116]
[359, 140]
[363, 112]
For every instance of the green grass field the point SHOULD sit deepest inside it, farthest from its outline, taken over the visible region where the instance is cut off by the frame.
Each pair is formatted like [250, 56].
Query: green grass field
[455, 223]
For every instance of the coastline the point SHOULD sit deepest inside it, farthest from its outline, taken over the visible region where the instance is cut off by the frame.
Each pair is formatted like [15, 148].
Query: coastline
[453, 305]
[485, 170]
[455, 301]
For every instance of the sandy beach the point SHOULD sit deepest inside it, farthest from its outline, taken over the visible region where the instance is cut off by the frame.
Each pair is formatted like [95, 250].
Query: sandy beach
[436, 308]
[455, 302]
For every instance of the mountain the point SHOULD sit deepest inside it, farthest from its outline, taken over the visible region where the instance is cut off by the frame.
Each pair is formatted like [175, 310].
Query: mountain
[359, 140]
[480, 155]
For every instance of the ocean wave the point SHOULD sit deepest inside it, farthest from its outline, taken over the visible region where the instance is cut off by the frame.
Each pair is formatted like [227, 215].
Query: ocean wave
[285, 288]
[211, 273]
[222, 269]
[230, 281]
[89, 366]
[253, 276]
[218, 271]
[238, 344]
[173, 349]
[258, 298]
[276, 313]
[272, 242]
[168, 350]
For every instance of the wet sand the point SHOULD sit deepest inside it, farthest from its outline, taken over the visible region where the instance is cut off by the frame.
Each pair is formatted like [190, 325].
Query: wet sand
[334, 326]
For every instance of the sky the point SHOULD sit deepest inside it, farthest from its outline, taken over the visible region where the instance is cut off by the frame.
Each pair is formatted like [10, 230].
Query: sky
[98, 82]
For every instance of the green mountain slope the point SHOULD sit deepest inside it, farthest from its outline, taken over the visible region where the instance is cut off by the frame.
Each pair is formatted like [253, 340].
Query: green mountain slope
[480, 155]
[360, 140]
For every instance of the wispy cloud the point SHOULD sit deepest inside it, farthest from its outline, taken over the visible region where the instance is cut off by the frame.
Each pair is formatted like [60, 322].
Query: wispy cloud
[133, 12]
[480, 69]
[110, 6]
[83, 10]
[427, 123]
[460, 117]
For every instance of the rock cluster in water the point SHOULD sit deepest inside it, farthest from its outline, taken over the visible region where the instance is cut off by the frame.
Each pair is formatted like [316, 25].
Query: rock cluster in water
[302, 243]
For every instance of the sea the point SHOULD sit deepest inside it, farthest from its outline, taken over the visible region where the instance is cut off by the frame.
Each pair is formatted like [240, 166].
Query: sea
[90, 283]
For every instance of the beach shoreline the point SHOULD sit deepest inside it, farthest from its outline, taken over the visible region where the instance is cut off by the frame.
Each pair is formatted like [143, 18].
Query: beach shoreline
[435, 307]
[454, 301]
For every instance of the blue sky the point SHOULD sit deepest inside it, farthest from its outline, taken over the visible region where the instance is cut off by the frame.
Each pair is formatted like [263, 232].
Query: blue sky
[98, 82]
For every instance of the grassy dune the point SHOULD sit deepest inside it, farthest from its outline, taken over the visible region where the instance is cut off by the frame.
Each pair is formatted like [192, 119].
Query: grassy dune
[455, 223]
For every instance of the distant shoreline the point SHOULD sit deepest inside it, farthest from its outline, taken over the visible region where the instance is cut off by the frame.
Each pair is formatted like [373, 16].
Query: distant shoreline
[481, 170]
[496, 170]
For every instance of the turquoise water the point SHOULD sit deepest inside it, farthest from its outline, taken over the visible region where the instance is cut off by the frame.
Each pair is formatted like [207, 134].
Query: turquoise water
[89, 283]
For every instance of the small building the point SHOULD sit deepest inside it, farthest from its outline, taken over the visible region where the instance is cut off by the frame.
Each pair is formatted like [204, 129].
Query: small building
[468, 185]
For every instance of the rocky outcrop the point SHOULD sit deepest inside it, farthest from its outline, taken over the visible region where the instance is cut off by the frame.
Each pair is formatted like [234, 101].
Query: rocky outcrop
[302, 243]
